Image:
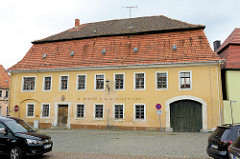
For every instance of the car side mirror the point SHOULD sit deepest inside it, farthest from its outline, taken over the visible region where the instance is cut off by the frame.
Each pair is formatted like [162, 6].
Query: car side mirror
[3, 131]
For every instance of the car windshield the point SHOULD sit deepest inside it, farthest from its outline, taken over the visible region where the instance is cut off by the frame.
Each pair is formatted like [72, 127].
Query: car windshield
[19, 126]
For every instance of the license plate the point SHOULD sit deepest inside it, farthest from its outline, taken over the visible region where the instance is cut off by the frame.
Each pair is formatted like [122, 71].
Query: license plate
[214, 146]
[47, 146]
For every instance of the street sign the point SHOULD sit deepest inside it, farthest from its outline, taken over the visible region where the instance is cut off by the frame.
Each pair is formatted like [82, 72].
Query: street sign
[158, 106]
[159, 112]
[16, 108]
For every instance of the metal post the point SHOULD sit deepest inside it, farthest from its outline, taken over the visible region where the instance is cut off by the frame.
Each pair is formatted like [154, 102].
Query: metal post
[232, 109]
[108, 118]
[160, 123]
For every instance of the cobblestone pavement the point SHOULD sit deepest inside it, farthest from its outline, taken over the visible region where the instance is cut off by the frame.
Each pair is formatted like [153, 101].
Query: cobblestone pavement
[110, 144]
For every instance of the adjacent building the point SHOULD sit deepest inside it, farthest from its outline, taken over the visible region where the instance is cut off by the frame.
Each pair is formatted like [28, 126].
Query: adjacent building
[4, 90]
[230, 50]
[114, 74]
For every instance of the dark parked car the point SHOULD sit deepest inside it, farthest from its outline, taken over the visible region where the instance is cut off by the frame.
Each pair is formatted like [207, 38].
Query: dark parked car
[220, 139]
[18, 138]
[234, 149]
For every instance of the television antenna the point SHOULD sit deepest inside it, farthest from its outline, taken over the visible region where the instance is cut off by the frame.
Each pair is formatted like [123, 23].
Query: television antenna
[130, 9]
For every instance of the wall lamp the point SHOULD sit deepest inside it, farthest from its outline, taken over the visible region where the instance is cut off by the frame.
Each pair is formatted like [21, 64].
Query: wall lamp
[107, 81]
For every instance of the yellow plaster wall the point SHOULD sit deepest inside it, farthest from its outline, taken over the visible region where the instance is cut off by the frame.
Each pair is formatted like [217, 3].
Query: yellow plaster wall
[205, 85]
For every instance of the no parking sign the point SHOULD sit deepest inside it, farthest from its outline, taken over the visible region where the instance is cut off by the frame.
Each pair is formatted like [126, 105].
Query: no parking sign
[158, 106]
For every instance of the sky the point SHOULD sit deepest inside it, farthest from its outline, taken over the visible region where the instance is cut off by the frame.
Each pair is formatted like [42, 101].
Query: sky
[23, 21]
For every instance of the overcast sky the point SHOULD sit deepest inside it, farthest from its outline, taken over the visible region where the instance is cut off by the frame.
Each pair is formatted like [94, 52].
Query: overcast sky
[23, 21]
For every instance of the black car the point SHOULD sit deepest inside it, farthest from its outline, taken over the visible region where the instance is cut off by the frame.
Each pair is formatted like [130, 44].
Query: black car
[234, 149]
[220, 139]
[18, 138]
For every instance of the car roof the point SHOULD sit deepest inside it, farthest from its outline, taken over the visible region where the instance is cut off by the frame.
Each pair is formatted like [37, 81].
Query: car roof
[9, 118]
[228, 126]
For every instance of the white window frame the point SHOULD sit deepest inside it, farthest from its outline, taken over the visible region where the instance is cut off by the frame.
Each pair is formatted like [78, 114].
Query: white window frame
[179, 80]
[94, 111]
[114, 111]
[95, 82]
[85, 82]
[76, 108]
[42, 110]
[134, 81]
[156, 82]
[44, 84]
[26, 115]
[35, 84]
[60, 83]
[114, 78]
[134, 112]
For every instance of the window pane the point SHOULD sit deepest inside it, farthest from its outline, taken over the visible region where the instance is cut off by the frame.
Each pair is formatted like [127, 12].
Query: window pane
[161, 80]
[80, 111]
[119, 81]
[81, 82]
[98, 111]
[45, 112]
[47, 85]
[139, 112]
[28, 83]
[30, 111]
[99, 81]
[64, 82]
[118, 111]
[139, 81]
[185, 81]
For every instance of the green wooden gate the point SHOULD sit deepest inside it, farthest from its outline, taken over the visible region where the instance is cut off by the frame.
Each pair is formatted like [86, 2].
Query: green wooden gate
[186, 116]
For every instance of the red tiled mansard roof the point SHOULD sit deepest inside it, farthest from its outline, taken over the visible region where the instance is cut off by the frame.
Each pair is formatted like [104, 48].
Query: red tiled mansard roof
[230, 50]
[124, 42]
[4, 78]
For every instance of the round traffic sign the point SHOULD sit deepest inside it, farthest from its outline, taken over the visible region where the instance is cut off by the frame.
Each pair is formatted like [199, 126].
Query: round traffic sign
[16, 108]
[158, 106]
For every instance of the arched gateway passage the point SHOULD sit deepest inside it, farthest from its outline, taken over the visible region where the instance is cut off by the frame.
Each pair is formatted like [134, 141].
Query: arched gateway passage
[186, 116]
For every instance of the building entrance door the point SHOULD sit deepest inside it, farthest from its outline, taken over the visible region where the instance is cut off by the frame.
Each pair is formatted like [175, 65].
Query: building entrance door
[186, 116]
[62, 115]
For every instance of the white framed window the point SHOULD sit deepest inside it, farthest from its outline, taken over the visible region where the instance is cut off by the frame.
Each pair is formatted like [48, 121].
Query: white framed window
[80, 109]
[119, 81]
[162, 80]
[30, 108]
[99, 83]
[28, 83]
[47, 83]
[45, 110]
[6, 94]
[81, 82]
[185, 80]
[118, 111]
[139, 81]
[63, 84]
[140, 112]
[98, 111]
[1, 92]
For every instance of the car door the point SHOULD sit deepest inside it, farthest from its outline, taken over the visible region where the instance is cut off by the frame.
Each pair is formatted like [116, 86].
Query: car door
[3, 140]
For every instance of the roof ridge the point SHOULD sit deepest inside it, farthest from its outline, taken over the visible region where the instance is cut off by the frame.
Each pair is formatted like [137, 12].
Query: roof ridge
[116, 27]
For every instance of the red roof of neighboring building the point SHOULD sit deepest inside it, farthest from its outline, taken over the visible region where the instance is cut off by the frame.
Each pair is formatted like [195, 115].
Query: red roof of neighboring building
[153, 47]
[4, 78]
[230, 50]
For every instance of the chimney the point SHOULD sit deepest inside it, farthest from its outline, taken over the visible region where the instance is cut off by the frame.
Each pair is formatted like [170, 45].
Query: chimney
[77, 22]
[216, 45]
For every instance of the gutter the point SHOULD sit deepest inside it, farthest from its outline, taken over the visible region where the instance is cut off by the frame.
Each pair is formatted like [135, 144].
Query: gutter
[137, 66]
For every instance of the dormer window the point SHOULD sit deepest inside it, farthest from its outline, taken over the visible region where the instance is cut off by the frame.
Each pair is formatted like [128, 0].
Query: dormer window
[104, 51]
[44, 56]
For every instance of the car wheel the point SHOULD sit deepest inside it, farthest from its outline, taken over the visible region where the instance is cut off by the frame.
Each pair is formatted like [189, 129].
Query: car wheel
[15, 153]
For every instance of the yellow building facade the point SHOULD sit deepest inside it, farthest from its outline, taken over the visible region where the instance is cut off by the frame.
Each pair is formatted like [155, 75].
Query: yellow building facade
[116, 78]
[209, 96]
